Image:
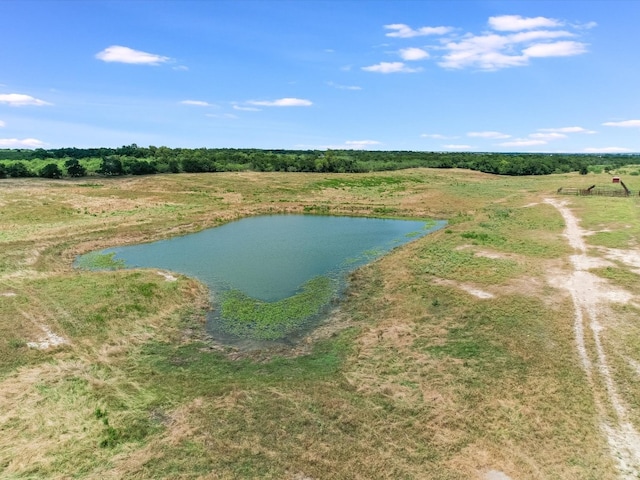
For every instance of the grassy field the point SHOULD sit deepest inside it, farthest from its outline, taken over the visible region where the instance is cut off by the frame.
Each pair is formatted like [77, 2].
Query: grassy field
[450, 358]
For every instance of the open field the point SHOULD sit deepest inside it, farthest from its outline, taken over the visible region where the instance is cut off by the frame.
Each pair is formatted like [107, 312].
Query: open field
[496, 348]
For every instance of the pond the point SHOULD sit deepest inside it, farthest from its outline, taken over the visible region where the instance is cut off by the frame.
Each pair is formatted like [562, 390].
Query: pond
[273, 276]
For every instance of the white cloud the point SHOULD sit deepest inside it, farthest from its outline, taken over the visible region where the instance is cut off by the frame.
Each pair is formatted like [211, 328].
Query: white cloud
[458, 147]
[361, 143]
[567, 130]
[120, 54]
[413, 53]
[181, 68]
[586, 26]
[436, 136]
[24, 143]
[607, 150]
[405, 31]
[2, 124]
[494, 51]
[348, 145]
[555, 49]
[515, 23]
[390, 67]
[483, 51]
[282, 102]
[21, 100]
[548, 136]
[222, 115]
[625, 123]
[522, 37]
[496, 135]
[513, 42]
[246, 109]
[197, 103]
[343, 87]
[522, 142]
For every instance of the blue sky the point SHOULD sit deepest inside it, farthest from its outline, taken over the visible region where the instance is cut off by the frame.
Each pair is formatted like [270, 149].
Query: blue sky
[446, 75]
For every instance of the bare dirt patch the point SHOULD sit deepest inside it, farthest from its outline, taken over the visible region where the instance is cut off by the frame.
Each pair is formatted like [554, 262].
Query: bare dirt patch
[469, 288]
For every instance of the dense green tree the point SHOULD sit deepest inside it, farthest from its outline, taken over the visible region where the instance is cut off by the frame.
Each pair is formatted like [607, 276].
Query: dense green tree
[139, 167]
[51, 170]
[19, 169]
[74, 168]
[111, 166]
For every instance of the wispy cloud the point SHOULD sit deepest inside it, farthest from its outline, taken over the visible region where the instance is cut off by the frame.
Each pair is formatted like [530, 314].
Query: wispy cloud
[343, 87]
[457, 147]
[555, 49]
[358, 144]
[607, 150]
[282, 102]
[2, 124]
[413, 53]
[21, 100]
[624, 123]
[515, 23]
[21, 143]
[120, 54]
[547, 136]
[405, 31]
[348, 145]
[246, 109]
[230, 116]
[494, 135]
[437, 136]
[567, 130]
[523, 142]
[197, 103]
[390, 67]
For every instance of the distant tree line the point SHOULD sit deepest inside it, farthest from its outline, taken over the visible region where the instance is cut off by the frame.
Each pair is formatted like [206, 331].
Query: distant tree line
[135, 160]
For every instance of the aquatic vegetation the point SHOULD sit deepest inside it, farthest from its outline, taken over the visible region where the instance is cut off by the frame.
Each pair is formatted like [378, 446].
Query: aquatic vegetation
[247, 317]
[100, 261]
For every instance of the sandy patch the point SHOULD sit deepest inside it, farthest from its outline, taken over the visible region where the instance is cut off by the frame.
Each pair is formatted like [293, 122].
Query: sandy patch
[49, 340]
[476, 292]
[471, 289]
[167, 276]
[496, 475]
[630, 258]
[8, 294]
[486, 253]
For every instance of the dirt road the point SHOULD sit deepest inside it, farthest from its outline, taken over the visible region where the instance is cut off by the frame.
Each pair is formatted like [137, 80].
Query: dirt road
[591, 295]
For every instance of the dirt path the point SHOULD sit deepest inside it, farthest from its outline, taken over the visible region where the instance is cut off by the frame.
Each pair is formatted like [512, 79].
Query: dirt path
[591, 295]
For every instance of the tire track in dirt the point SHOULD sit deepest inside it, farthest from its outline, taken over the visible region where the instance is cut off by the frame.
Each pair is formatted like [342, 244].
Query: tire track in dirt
[590, 294]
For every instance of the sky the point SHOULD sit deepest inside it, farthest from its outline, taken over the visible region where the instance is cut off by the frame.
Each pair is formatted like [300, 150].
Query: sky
[422, 75]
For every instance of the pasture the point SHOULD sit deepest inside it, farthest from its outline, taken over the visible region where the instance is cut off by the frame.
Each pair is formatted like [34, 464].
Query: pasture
[458, 355]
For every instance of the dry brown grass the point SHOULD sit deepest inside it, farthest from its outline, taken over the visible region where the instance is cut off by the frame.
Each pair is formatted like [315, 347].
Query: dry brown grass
[432, 382]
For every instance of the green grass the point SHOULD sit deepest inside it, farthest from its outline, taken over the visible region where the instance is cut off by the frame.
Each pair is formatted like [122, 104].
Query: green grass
[247, 317]
[100, 261]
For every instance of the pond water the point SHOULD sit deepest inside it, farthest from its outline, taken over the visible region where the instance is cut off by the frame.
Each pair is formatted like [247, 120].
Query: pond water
[271, 275]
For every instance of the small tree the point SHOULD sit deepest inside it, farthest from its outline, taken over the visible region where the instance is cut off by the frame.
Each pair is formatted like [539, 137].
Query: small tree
[74, 169]
[51, 170]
